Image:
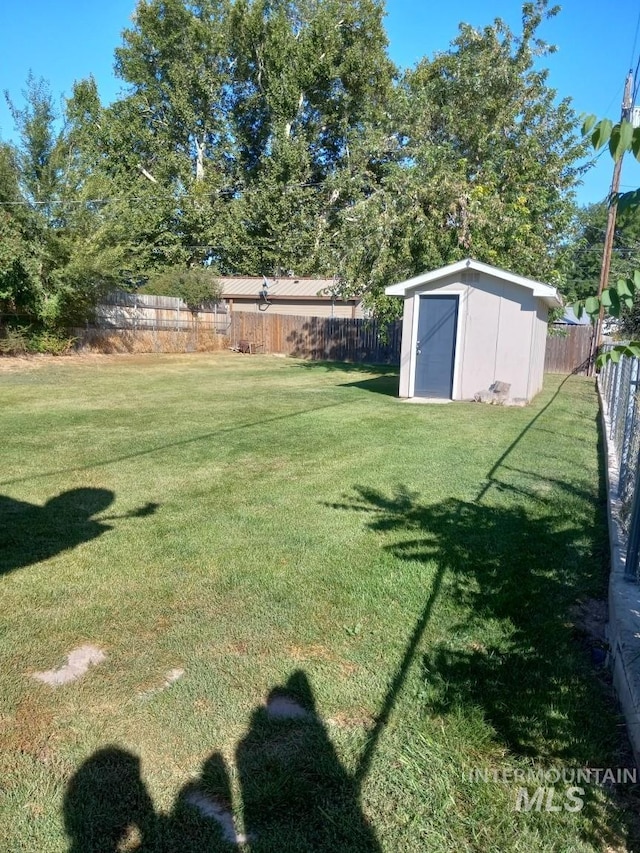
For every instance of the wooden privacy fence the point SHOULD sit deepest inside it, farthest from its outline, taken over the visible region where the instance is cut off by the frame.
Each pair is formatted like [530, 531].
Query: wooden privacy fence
[138, 311]
[568, 349]
[319, 338]
[162, 324]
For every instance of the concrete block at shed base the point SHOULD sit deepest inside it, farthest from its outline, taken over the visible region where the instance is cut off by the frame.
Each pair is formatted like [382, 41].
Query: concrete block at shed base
[497, 394]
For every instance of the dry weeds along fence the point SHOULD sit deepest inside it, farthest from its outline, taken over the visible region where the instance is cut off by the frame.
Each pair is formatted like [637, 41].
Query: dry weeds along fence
[320, 338]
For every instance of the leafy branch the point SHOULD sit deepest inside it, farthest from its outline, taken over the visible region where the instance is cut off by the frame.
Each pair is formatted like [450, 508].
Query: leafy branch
[621, 138]
[613, 299]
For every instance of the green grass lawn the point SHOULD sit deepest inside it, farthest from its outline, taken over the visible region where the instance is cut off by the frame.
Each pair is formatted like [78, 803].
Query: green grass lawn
[407, 572]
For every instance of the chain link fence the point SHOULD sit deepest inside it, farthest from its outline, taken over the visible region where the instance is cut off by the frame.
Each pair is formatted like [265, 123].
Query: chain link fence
[619, 386]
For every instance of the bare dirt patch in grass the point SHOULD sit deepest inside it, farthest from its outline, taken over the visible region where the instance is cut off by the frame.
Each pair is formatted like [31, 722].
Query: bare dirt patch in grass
[210, 808]
[78, 662]
[170, 678]
[282, 707]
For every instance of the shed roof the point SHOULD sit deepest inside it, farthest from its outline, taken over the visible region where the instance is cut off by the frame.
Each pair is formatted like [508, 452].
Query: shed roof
[278, 288]
[543, 291]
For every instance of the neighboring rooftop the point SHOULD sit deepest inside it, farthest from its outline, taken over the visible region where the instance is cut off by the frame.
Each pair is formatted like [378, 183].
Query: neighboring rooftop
[570, 319]
[278, 288]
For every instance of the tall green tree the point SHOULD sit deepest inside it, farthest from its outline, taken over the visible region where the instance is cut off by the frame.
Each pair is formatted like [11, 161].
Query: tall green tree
[173, 126]
[582, 256]
[20, 243]
[56, 250]
[310, 77]
[261, 136]
[621, 297]
[33, 177]
[485, 162]
[240, 114]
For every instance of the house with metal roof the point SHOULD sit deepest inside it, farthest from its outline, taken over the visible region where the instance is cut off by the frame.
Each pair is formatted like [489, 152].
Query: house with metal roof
[310, 297]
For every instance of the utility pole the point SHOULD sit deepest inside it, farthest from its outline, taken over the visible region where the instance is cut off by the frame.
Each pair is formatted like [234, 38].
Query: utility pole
[596, 338]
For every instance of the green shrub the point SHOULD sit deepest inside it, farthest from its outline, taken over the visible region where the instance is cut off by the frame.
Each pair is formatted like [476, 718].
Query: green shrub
[53, 343]
[14, 341]
[194, 285]
[22, 340]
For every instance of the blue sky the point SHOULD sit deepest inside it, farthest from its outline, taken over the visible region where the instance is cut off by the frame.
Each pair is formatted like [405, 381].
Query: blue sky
[66, 40]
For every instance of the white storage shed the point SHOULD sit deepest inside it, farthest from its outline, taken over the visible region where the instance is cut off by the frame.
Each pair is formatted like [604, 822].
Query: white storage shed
[468, 326]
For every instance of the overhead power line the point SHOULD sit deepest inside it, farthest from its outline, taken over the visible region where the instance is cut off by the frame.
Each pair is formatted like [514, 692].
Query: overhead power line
[178, 197]
[633, 50]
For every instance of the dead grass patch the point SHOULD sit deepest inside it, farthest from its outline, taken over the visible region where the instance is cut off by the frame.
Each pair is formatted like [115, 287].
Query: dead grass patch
[29, 731]
[318, 652]
[357, 719]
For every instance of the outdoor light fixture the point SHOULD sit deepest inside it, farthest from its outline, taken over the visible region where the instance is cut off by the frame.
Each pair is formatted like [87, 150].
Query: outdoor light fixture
[264, 292]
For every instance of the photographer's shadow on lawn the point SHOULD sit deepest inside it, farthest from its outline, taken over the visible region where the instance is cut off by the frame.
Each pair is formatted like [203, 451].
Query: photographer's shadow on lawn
[296, 793]
[107, 805]
[30, 533]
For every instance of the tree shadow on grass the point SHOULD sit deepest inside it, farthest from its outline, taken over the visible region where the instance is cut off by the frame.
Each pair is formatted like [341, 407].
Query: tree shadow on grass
[350, 367]
[386, 385]
[30, 533]
[521, 574]
[514, 567]
[380, 379]
[296, 795]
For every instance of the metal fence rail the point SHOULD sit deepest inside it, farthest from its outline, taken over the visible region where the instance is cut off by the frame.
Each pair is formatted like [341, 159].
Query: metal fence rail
[619, 392]
[208, 323]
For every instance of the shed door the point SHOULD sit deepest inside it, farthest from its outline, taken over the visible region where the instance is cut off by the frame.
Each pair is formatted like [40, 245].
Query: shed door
[436, 346]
